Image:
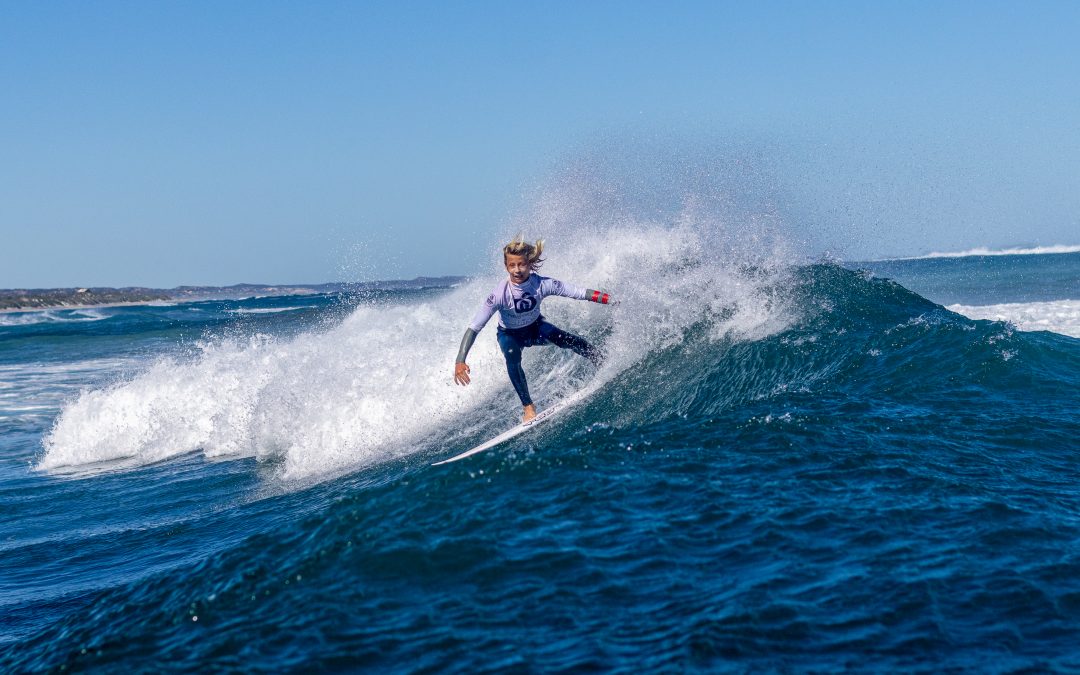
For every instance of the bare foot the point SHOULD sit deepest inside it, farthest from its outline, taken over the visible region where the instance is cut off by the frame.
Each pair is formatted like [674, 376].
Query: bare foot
[529, 413]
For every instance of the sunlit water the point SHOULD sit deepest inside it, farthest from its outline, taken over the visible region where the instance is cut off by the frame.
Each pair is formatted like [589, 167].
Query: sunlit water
[783, 466]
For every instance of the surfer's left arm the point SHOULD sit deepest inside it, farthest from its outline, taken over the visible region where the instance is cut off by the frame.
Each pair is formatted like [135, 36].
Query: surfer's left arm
[556, 287]
[600, 297]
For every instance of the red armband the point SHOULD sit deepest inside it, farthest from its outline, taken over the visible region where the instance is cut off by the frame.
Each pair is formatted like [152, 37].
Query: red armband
[596, 296]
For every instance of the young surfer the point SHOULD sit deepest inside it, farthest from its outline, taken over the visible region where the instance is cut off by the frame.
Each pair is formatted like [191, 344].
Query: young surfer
[517, 299]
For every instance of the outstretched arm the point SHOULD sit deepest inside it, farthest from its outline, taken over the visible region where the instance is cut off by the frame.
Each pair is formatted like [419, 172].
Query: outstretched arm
[461, 370]
[556, 287]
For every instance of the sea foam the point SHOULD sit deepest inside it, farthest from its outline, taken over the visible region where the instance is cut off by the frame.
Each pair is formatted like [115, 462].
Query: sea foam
[1058, 316]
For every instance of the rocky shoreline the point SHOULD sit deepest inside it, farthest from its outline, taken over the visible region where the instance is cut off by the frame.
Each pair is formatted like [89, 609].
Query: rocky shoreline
[22, 299]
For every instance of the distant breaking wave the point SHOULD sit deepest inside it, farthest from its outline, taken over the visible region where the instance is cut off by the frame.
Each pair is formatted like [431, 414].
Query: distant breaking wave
[263, 310]
[57, 315]
[1059, 316]
[982, 250]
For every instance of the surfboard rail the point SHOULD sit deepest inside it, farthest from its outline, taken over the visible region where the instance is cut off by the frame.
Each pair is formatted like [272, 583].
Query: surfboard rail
[542, 416]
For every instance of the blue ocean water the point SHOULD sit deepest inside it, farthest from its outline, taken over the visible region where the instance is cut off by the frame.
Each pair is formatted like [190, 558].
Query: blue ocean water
[796, 467]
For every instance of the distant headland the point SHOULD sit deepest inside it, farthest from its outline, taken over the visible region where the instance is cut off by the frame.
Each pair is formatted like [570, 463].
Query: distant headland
[60, 298]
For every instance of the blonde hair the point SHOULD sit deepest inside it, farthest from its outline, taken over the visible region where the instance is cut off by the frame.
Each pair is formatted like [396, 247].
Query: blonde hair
[532, 253]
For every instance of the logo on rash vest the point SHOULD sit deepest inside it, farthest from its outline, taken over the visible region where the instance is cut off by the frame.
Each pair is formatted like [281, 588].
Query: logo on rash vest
[525, 303]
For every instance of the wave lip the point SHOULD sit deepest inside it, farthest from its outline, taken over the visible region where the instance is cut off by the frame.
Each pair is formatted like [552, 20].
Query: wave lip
[984, 251]
[1058, 316]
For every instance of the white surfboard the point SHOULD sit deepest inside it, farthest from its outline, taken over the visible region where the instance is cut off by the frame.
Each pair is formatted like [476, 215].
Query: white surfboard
[541, 417]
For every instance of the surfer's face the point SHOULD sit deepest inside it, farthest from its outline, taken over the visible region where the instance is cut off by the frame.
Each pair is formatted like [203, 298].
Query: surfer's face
[518, 267]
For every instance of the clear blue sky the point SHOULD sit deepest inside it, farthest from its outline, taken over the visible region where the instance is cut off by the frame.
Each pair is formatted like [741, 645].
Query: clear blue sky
[166, 143]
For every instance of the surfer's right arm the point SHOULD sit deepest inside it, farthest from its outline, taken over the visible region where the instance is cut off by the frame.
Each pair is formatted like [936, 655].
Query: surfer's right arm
[483, 315]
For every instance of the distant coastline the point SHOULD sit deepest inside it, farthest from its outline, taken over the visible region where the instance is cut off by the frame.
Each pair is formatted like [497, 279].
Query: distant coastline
[23, 299]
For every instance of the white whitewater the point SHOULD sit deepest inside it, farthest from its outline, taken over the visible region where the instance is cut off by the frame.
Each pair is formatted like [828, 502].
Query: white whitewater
[1058, 316]
[378, 385]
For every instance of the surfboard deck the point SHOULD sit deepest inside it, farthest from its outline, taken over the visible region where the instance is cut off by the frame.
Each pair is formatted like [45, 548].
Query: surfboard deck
[541, 417]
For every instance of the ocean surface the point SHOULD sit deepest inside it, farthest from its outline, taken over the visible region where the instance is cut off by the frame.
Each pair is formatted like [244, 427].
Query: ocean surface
[783, 466]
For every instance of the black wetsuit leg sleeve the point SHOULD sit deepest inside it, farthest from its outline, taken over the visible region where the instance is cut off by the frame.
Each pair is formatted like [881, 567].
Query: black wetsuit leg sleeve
[511, 350]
